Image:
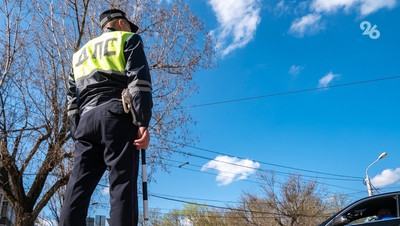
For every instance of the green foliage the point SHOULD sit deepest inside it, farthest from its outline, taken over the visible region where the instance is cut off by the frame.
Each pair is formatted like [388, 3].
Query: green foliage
[191, 214]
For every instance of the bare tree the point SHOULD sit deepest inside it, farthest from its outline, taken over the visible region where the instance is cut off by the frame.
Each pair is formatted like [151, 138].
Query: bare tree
[299, 202]
[336, 202]
[251, 210]
[34, 129]
[37, 41]
[291, 202]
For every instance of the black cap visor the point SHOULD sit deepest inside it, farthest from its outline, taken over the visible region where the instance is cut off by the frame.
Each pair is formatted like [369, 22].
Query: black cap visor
[134, 28]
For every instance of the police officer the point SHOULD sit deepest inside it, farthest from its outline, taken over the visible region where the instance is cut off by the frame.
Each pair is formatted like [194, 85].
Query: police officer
[104, 134]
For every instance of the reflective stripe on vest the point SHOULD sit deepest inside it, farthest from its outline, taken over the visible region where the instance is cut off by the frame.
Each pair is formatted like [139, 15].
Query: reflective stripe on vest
[104, 53]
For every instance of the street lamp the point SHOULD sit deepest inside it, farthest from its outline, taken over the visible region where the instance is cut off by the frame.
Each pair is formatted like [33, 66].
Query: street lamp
[367, 180]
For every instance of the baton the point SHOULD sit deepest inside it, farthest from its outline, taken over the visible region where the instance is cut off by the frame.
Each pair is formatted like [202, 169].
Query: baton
[144, 186]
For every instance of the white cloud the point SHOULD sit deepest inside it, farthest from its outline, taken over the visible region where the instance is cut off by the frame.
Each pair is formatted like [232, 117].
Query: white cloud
[105, 191]
[387, 177]
[282, 8]
[295, 70]
[308, 24]
[330, 6]
[238, 21]
[371, 6]
[324, 81]
[365, 7]
[231, 168]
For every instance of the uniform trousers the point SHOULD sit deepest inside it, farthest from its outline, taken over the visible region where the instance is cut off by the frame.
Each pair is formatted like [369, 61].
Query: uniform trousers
[103, 139]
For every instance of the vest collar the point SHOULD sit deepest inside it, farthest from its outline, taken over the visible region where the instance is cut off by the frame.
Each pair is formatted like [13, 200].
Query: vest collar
[109, 29]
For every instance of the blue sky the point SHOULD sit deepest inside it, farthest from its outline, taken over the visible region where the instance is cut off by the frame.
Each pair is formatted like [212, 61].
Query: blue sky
[272, 46]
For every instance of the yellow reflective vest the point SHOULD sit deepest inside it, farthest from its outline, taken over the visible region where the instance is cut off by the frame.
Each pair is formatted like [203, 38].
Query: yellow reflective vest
[104, 53]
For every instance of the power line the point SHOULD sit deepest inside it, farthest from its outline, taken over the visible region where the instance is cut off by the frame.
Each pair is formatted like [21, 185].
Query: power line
[201, 199]
[254, 168]
[220, 215]
[195, 165]
[258, 183]
[230, 208]
[252, 181]
[266, 163]
[275, 94]
[287, 93]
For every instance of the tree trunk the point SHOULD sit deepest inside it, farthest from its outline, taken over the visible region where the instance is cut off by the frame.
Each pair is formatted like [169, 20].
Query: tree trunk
[24, 219]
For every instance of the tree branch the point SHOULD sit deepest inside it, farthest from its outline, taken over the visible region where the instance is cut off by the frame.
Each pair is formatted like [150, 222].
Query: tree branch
[47, 196]
[34, 150]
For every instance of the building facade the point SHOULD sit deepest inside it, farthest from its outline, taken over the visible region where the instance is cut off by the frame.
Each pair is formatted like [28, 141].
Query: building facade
[99, 220]
[7, 213]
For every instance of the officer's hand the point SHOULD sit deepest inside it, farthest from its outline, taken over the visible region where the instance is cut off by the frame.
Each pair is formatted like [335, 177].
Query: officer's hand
[143, 138]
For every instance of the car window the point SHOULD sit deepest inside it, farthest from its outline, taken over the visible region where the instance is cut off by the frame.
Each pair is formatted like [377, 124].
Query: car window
[385, 222]
[372, 210]
[364, 219]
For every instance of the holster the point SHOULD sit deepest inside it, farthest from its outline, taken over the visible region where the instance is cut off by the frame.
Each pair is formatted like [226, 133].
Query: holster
[127, 104]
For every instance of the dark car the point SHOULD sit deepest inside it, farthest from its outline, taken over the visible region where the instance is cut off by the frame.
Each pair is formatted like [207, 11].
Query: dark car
[380, 209]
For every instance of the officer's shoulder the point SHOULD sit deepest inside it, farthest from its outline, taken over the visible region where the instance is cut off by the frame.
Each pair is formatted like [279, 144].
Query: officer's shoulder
[134, 36]
[133, 39]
